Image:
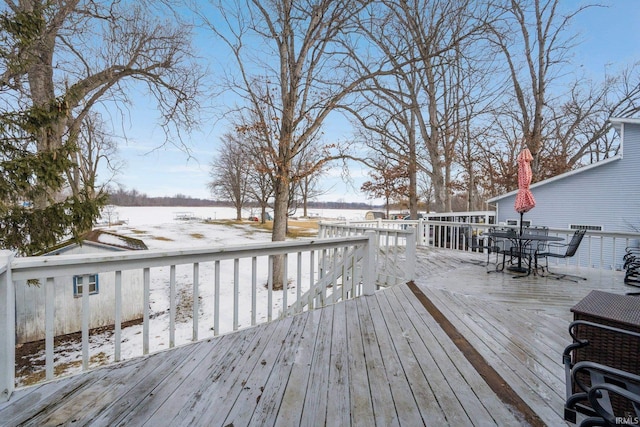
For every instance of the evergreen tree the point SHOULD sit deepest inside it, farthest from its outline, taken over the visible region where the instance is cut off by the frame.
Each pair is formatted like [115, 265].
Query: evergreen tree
[35, 211]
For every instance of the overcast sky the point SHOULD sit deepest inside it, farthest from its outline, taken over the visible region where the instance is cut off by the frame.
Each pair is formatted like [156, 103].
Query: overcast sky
[610, 38]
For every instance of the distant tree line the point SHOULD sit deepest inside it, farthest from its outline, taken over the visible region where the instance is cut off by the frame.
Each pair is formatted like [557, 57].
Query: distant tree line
[124, 197]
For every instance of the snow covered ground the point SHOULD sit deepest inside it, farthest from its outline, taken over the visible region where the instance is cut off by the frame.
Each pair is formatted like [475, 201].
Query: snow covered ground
[159, 229]
[165, 215]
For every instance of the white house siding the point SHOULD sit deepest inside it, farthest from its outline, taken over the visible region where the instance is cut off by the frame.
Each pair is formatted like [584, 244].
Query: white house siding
[30, 303]
[607, 195]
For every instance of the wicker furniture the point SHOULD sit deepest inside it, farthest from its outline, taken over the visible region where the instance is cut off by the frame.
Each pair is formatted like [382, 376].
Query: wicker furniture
[606, 331]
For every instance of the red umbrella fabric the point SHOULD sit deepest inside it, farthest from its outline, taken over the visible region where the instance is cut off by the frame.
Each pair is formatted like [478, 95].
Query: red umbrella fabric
[524, 199]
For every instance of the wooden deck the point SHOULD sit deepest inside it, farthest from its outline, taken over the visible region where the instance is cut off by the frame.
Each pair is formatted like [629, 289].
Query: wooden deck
[380, 360]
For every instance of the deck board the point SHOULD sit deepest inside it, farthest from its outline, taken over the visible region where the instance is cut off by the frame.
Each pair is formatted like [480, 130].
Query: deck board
[178, 400]
[509, 362]
[338, 399]
[218, 391]
[423, 372]
[449, 370]
[290, 413]
[156, 386]
[383, 405]
[519, 325]
[378, 360]
[405, 405]
[362, 409]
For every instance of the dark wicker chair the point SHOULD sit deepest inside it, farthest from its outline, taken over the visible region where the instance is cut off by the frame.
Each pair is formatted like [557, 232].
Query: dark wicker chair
[570, 250]
[601, 356]
[605, 387]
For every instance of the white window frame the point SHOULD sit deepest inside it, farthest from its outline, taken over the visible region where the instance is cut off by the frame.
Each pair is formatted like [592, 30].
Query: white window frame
[93, 284]
[516, 222]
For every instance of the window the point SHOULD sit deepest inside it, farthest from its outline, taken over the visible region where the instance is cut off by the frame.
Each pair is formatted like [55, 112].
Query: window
[525, 222]
[90, 280]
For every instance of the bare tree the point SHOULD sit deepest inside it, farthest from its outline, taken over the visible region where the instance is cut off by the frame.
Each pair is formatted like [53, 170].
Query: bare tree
[580, 128]
[296, 80]
[309, 188]
[309, 169]
[417, 110]
[533, 33]
[89, 51]
[230, 172]
[388, 181]
[95, 148]
[294, 77]
[560, 116]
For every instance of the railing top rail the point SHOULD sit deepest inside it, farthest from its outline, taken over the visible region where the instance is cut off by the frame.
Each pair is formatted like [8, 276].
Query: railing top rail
[382, 230]
[616, 234]
[51, 266]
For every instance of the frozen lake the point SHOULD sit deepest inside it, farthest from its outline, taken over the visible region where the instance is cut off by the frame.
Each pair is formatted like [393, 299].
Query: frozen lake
[153, 215]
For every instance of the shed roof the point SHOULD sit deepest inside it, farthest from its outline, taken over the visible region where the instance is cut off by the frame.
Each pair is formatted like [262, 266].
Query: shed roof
[102, 238]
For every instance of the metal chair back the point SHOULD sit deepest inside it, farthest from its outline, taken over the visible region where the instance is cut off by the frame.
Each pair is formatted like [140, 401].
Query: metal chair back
[572, 247]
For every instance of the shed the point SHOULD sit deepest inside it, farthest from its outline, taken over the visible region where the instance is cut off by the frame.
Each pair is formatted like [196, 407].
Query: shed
[30, 314]
[373, 215]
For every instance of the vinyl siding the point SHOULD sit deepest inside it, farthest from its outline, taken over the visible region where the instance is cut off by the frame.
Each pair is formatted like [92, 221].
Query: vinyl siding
[607, 195]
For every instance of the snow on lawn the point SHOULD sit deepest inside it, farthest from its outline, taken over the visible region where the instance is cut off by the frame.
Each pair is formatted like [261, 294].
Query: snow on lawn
[159, 229]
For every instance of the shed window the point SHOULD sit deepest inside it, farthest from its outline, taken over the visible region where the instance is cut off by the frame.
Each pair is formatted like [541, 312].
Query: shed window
[90, 280]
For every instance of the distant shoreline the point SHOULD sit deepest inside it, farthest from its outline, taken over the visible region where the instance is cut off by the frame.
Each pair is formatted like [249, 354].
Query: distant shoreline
[188, 202]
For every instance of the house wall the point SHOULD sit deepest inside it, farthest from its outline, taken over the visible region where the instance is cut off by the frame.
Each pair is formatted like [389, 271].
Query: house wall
[30, 303]
[607, 195]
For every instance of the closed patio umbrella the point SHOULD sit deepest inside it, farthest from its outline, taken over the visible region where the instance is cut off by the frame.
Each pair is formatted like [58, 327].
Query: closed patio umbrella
[524, 199]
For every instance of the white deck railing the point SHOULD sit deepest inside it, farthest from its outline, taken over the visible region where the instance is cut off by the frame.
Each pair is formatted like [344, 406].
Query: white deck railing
[599, 249]
[395, 247]
[317, 272]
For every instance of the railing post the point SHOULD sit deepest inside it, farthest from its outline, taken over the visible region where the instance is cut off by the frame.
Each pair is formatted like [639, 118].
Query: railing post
[369, 264]
[7, 327]
[410, 255]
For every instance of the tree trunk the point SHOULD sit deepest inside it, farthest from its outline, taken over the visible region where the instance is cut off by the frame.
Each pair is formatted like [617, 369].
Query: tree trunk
[280, 211]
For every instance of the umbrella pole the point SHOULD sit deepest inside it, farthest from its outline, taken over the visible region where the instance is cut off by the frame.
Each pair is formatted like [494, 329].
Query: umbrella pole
[520, 244]
[521, 215]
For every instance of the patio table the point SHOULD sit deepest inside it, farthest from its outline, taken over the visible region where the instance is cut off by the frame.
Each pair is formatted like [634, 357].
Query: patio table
[521, 241]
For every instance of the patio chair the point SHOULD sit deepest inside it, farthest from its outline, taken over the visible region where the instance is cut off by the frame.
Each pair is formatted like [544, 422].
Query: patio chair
[601, 373]
[529, 251]
[538, 231]
[612, 396]
[474, 243]
[632, 266]
[570, 250]
[507, 247]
